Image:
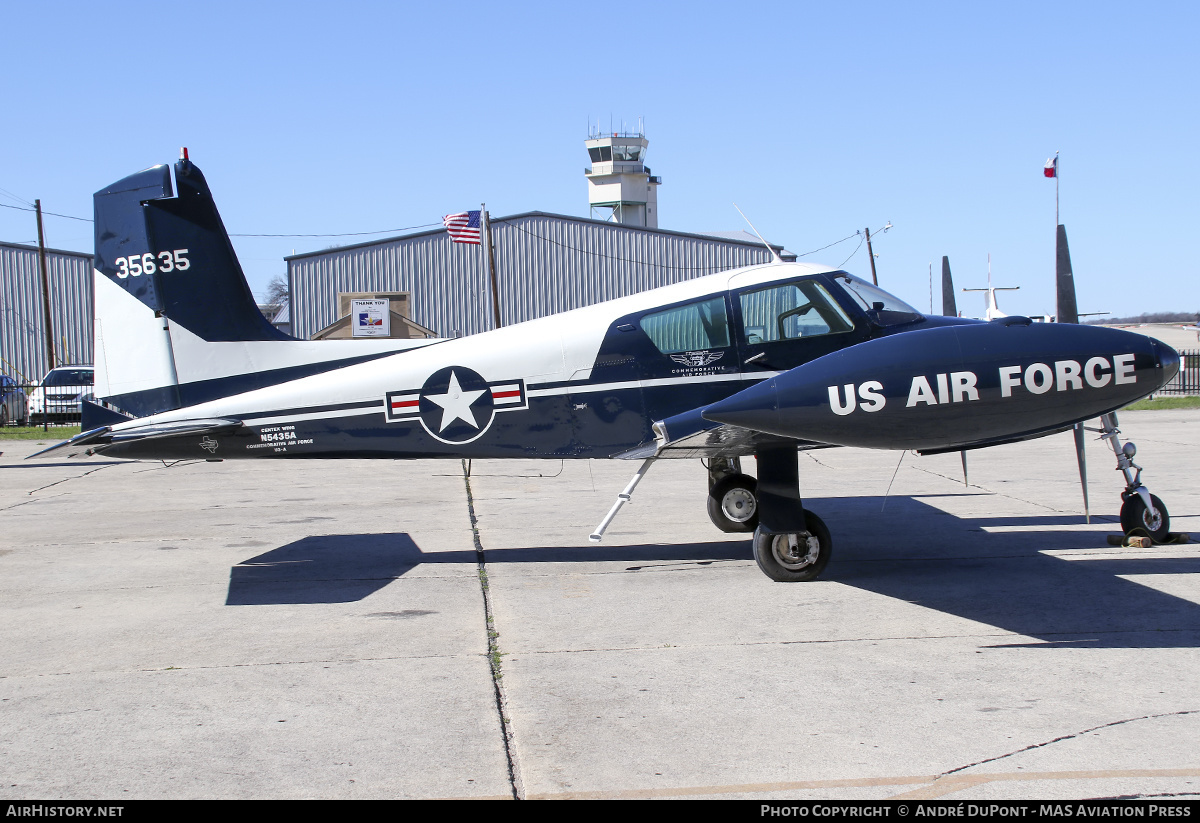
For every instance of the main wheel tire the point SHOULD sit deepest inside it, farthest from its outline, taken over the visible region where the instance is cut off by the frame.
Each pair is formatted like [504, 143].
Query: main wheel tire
[785, 558]
[1135, 515]
[733, 503]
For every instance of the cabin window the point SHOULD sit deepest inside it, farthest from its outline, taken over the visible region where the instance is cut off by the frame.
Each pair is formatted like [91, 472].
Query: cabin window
[791, 311]
[696, 326]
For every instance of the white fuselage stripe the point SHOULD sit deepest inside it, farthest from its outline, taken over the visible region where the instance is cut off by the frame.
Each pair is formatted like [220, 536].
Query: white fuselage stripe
[322, 415]
[561, 390]
[584, 388]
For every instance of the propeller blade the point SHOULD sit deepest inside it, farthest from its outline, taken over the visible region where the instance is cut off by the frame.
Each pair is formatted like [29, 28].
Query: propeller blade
[1081, 457]
[1068, 310]
[949, 308]
[963, 454]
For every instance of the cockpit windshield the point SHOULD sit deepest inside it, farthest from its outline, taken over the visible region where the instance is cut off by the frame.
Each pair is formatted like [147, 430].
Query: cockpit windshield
[886, 309]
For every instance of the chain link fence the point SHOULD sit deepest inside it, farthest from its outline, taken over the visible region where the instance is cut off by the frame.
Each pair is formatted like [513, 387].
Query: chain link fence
[31, 404]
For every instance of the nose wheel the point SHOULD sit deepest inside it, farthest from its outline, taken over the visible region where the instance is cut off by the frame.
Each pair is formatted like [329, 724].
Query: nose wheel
[1141, 511]
[1153, 519]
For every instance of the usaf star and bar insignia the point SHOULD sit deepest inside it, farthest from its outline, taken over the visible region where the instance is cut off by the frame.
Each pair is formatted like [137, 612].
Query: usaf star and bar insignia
[456, 405]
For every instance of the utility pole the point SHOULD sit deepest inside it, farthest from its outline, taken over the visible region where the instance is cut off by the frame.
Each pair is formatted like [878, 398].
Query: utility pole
[871, 255]
[45, 286]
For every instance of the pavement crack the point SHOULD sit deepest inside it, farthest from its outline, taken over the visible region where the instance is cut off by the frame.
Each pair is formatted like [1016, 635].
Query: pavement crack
[1072, 736]
[495, 656]
[22, 503]
[221, 666]
[65, 479]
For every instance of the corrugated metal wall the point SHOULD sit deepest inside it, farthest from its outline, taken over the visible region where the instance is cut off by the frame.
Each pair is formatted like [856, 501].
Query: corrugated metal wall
[22, 319]
[545, 264]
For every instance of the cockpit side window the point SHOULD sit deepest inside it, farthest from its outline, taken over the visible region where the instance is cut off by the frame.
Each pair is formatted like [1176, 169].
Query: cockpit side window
[884, 308]
[695, 326]
[791, 311]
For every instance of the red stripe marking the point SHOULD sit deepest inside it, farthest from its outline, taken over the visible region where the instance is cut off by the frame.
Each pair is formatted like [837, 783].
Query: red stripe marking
[501, 395]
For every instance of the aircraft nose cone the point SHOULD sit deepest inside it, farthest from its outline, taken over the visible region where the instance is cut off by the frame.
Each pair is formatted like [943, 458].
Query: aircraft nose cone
[1168, 361]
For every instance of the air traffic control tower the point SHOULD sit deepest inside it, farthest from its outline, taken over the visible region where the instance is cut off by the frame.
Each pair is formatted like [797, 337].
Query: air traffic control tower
[620, 188]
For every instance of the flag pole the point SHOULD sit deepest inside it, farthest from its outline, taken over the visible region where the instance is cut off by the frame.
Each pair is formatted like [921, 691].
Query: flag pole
[487, 225]
[1056, 220]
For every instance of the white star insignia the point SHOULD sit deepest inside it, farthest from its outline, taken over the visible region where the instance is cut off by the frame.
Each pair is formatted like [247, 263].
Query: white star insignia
[456, 404]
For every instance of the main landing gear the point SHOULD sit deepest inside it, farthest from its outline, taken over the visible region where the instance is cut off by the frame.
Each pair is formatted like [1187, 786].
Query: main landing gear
[791, 544]
[1140, 510]
[794, 557]
[732, 499]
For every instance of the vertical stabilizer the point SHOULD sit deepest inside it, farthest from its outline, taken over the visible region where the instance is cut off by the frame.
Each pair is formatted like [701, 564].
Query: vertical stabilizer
[173, 254]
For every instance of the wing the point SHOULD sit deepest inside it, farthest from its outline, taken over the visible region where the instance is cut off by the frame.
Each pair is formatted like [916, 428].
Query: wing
[689, 435]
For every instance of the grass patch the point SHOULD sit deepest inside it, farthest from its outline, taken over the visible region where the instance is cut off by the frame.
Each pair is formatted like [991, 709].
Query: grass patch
[51, 435]
[1189, 402]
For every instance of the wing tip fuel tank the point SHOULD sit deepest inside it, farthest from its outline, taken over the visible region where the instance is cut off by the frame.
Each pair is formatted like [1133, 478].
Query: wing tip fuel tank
[955, 386]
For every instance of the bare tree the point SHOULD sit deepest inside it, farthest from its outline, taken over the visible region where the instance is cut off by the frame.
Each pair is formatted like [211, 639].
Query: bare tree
[277, 291]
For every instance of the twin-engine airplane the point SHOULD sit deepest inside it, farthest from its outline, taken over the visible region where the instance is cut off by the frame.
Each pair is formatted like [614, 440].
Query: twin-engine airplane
[765, 361]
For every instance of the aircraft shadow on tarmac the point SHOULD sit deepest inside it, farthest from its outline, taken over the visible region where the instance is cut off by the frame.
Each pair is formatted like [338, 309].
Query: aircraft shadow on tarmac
[910, 551]
[91, 464]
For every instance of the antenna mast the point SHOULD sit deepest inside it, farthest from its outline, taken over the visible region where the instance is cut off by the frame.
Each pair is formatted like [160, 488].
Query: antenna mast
[770, 248]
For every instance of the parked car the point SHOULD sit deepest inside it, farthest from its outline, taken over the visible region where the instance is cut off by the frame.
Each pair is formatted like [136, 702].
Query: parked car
[13, 408]
[59, 394]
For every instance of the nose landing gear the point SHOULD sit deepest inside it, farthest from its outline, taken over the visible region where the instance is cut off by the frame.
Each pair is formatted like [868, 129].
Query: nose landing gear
[1140, 510]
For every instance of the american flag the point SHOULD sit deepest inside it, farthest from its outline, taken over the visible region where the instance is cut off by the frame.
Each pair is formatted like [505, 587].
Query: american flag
[463, 227]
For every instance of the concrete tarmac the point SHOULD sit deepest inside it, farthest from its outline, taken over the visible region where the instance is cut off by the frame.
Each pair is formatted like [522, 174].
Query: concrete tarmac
[321, 629]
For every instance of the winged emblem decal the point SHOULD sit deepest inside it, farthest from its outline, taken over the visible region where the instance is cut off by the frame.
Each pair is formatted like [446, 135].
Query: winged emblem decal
[696, 359]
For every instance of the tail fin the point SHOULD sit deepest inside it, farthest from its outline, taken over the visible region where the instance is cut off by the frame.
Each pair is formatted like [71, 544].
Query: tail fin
[176, 322]
[173, 254]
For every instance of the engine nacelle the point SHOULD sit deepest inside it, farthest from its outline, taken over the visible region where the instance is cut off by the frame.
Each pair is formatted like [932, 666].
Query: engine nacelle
[955, 386]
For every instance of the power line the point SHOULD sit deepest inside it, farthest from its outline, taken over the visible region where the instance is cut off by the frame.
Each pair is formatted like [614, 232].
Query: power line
[344, 234]
[831, 245]
[52, 214]
[856, 248]
[432, 225]
[17, 197]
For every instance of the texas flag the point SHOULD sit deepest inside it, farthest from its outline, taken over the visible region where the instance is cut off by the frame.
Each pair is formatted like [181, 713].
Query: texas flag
[1051, 167]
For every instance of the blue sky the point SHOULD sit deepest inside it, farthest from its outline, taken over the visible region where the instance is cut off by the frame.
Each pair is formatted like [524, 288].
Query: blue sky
[817, 119]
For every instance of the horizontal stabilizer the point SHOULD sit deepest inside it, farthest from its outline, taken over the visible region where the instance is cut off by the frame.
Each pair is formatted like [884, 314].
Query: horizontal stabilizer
[156, 431]
[81, 439]
[99, 440]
